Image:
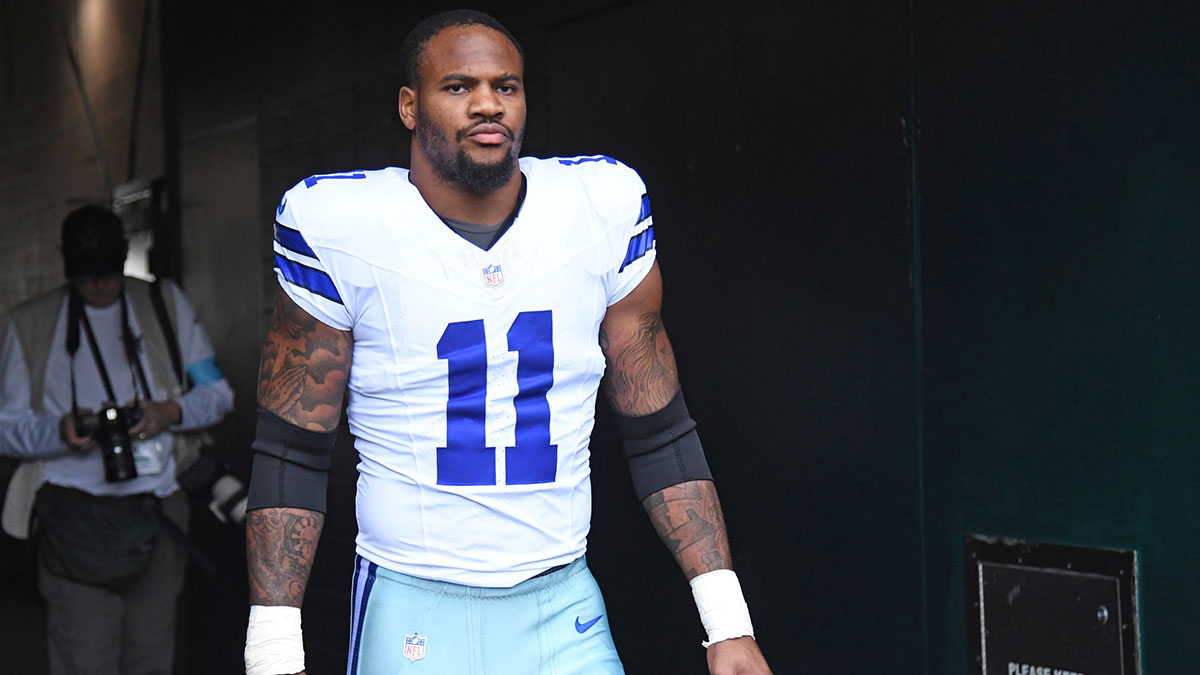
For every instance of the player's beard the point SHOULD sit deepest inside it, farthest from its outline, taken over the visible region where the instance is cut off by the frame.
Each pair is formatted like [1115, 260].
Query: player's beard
[456, 167]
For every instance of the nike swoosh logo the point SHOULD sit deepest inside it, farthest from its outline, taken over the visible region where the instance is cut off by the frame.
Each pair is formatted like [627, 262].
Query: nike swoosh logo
[582, 627]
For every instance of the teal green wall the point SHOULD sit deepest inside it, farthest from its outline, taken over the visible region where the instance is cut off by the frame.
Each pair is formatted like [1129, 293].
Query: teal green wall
[1059, 187]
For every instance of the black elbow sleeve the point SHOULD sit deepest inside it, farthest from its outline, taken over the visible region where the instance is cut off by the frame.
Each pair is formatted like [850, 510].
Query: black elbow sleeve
[663, 448]
[291, 465]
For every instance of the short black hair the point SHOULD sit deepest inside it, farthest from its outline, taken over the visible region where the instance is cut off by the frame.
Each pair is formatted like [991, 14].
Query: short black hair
[417, 38]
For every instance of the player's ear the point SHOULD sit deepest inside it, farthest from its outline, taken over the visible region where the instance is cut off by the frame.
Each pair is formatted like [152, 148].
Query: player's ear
[408, 107]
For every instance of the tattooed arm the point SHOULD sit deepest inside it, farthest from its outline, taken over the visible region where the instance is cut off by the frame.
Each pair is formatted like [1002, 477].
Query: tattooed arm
[641, 378]
[302, 379]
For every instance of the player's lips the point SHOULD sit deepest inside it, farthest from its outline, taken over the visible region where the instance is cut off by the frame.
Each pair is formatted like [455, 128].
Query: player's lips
[489, 133]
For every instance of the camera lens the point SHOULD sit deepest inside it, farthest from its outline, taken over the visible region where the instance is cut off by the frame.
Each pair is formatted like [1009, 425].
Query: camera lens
[118, 458]
[116, 448]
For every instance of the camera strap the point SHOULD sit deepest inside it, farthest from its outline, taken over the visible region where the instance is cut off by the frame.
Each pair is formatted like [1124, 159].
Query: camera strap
[164, 322]
[76, 316]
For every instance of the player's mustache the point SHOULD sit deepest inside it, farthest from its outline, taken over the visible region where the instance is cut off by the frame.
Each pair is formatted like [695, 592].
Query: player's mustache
[463, 133]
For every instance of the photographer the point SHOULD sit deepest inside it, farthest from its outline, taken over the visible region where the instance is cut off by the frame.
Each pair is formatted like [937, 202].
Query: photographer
[99, 380]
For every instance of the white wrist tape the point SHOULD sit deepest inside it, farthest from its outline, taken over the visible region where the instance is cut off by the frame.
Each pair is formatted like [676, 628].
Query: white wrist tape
[722, 607]
[274, 643]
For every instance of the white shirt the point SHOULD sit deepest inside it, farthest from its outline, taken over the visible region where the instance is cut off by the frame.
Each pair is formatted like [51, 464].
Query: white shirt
[474, 374]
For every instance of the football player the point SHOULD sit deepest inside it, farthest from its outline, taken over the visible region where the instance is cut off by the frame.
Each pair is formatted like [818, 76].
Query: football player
[471, 305]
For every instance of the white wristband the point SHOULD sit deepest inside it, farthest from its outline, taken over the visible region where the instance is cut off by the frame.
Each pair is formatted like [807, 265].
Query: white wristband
[722, 607]
[274, 643]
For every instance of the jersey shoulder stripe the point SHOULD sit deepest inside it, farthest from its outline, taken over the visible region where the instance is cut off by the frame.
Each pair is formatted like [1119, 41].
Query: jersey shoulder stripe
[325, 227]
[308, 278]
[643, 239]
[292, 240]
[305, 274]
[639, 245]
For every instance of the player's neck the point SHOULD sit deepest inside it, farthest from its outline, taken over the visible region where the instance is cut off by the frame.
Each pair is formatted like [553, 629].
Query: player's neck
[450, 200]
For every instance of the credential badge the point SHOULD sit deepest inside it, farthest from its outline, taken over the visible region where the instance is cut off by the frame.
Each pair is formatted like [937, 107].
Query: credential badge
[414, 647]
[493, 276]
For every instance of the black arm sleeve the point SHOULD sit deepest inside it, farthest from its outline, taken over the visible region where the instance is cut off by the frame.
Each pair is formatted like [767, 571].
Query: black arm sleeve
[663, 448]
[291, 465]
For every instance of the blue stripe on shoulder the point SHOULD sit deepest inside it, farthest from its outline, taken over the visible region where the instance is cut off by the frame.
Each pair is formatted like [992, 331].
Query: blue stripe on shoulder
[204, 371]
[645, 212]
[308, 278]
[639, 244]
[292, 240]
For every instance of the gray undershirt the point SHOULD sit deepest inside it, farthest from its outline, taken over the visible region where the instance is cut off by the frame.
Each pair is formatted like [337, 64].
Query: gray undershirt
[482, 236]
[485, 236]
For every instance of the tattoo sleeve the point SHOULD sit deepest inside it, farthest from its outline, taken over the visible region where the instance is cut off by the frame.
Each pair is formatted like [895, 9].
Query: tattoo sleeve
[688, 520]
[280, 546]
[302, 379]
[304, 369]
[642, 377]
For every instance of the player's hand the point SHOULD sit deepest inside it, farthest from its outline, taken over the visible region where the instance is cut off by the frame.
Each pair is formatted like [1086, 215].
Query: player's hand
[156, 417]
[739, 656]
[66, 432]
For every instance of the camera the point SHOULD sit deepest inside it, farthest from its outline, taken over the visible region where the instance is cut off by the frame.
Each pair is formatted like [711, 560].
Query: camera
[110, 427]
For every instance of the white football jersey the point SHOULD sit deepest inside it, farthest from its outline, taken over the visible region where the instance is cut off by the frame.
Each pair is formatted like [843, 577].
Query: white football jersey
[474, 375]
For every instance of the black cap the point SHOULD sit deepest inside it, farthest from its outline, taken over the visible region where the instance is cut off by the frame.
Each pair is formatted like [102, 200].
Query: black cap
[93, 243]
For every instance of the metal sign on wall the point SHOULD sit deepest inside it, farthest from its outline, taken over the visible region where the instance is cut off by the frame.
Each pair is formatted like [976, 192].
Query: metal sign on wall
[1047, 609]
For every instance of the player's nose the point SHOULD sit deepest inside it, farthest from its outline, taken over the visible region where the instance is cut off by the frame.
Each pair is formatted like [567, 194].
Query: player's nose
[487, 103]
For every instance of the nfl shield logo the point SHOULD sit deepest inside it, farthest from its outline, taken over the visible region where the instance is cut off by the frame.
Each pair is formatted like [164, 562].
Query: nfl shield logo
[414, 647]
[493, 276]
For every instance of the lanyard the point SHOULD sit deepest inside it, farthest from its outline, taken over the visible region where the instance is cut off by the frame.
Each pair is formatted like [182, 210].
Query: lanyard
[76, 316]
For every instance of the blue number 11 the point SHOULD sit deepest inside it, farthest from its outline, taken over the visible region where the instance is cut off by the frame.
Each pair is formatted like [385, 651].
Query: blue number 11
[466, 459]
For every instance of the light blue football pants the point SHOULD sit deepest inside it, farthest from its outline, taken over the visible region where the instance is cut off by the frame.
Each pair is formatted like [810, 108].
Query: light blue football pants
[554, 624]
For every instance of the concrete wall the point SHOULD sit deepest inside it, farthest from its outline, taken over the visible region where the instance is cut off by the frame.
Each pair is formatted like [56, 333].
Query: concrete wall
[49, 161]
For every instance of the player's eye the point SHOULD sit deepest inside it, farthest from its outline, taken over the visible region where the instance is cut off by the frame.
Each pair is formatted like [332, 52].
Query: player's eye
[507, 89]
[456, 88]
